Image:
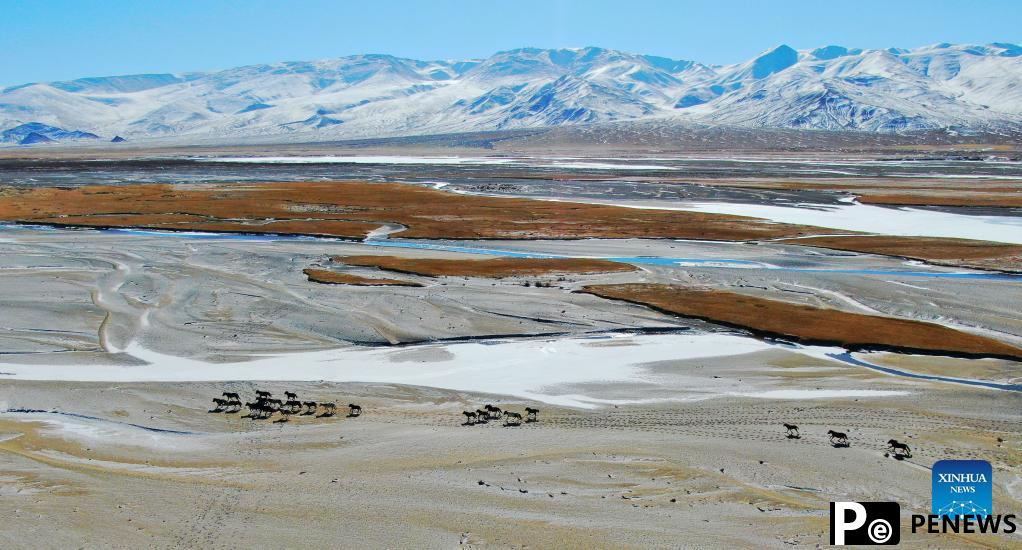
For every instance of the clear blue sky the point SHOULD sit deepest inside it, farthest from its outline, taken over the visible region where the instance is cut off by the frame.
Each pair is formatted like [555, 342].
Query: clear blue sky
[62, 39]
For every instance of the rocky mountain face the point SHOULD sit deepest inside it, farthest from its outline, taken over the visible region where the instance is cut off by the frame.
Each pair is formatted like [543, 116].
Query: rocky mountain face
[961, 88]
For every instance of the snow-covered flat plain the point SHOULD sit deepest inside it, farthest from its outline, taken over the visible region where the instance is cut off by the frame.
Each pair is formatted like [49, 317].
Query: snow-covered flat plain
[876, 219]
[546, 370]
[867, 219]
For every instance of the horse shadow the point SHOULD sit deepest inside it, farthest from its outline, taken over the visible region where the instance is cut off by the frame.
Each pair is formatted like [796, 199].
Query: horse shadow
[793, 436]
[841, 445]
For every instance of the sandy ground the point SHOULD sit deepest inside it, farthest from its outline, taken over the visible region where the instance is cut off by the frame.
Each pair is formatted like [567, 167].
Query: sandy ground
[708, 470]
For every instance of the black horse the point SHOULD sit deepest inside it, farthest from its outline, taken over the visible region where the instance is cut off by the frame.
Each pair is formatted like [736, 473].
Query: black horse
[531, 414]
[838, 439]
[470, 417]
[354, 410]
[899, 449]
[512, 418]
[259, 410]
[329, 409]
[494, 412]
[792, 431]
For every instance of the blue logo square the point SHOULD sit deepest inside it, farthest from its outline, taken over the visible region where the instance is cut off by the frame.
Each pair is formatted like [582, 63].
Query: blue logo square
[962, 487]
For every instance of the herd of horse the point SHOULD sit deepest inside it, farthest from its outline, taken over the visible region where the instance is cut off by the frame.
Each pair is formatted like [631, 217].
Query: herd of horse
[266, 406]
[490, 412]
[840, 439]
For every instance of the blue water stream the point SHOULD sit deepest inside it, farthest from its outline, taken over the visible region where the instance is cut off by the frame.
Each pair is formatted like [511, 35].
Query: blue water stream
[720, 263]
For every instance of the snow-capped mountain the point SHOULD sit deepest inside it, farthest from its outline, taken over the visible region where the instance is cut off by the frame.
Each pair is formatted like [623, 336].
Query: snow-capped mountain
[34, 132]
[962, 87]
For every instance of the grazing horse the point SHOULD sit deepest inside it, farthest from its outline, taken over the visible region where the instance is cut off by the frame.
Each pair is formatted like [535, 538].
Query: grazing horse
[494, 412]
[792, 431]
[290, 396]
[354, 410]
[899, 449]
[838, 439]
[512, 418]
[470, 417]
[329, 409]
[310, 407]
[531, 414]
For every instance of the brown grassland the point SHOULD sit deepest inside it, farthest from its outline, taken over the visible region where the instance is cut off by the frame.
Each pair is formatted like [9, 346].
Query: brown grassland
[352, 209]
[326, 276]
[807, 324]
[493, 268]
[981, 254]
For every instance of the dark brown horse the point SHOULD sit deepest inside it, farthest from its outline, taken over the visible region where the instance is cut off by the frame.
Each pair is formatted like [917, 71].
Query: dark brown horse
[531, 414]
[512, 418]
[470, 417]
[838, 439]
[259, 410]
[898, 448]
[792, 431]
[354, 410]
[494, 412]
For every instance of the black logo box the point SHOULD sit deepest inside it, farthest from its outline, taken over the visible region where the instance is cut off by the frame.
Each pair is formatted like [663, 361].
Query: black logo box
[889, 512]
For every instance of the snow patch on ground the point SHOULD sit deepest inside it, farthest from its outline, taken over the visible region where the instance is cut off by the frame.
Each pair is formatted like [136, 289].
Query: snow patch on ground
[531, 368]
[870, 219]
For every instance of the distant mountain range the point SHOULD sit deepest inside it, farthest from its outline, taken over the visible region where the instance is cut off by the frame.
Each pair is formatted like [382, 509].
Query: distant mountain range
[961, 88]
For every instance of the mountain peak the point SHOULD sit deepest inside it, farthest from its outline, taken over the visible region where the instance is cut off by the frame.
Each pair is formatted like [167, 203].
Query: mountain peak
[774, 61]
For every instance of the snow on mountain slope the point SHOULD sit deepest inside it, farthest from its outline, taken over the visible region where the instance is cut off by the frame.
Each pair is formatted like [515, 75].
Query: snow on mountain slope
[964, 87]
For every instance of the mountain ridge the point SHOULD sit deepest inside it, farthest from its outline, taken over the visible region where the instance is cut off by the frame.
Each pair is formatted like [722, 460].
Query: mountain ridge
[963, 88]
